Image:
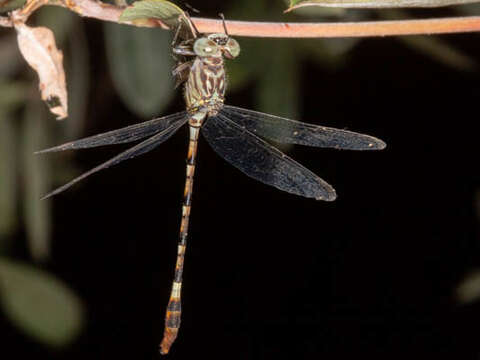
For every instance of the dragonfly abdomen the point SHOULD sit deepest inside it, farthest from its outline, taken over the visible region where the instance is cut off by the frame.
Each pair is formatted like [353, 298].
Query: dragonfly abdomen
[174, 307]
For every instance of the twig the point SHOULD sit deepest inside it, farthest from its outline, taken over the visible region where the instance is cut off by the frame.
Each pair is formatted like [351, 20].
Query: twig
[107, 12]
[342, 29]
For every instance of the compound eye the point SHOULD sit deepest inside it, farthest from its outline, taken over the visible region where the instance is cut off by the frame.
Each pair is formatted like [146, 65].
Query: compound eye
[206, 47]
[233, 48]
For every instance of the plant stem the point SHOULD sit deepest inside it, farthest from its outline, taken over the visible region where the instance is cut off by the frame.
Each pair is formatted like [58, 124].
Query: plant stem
[342, 29]
[106, 12]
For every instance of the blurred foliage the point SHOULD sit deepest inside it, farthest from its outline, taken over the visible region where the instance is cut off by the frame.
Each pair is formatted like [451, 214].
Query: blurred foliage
[158, 9]
[39, 304]
[440, 51]
[432, 46]
[8, 185]
[33, 300]
[78, 84]
[468, 290]
[140, 65]
[37, 171]
[468, 9]
[9, 5]
[283, 61]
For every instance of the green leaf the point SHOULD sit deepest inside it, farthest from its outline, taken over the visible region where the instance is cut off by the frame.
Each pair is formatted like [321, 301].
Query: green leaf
[39, 304]
[471, 9]
[140, 65]
[37, 180]
[320, 12]
[328, 52]
[468, 290]
[278, 88]
[440, 50]
[8, 185]
[253, 59]
[376, 4]
[279, 85]
[165, 11]
[433, 46]
[77, 65]
[11, 59]
[9, 5]
[56, 19]
[254, 56]
[13, 94]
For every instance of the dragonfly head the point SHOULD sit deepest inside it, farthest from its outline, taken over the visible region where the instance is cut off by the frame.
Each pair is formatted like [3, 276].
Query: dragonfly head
[217, 45]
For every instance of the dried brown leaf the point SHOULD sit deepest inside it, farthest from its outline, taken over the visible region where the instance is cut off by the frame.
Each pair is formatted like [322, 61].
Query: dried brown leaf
[38, 47]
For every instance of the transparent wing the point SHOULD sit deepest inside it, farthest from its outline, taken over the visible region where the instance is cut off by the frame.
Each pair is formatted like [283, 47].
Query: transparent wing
[261, 161]
[138, 149]
[294, 132]
[123, 135]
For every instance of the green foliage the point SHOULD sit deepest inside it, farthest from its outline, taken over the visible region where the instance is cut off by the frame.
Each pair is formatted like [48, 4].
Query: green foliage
[76, 67]
[9, 5]
[34, 301]
[8, 185]
[36, 171]
[140, 65]
[165, 11]
[39, 304]
[12, 95]
[57, 19]
[270, 99]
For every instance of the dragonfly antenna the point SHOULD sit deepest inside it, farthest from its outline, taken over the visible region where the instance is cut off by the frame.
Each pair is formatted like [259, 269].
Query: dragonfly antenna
[223, 22]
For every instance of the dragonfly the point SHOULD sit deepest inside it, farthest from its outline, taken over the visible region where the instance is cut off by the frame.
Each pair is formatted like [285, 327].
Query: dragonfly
[236, 134]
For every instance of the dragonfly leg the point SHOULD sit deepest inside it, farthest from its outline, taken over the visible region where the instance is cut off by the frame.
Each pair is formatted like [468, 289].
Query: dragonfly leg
[177, 32]
[185, 51]
[182, 67]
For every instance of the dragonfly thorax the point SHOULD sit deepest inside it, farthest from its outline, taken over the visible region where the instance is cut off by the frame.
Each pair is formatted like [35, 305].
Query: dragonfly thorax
[205, 85]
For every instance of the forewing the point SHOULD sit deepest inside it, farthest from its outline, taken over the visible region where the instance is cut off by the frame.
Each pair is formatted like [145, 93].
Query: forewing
[138, 149]
[294, 132]
[261, 161]
[123, 135]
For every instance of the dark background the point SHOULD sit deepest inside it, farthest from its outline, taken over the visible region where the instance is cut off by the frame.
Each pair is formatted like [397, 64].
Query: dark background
[269, 275]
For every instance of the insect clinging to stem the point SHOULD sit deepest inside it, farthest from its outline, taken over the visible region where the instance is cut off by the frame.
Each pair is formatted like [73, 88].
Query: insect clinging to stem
[236, 134]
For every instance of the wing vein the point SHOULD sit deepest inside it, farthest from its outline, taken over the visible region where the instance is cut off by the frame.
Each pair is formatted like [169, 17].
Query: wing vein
[261, 161]
[120, 136]
[134, 151]
[295, 132]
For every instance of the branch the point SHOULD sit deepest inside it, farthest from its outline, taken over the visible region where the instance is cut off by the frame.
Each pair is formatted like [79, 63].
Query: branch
[342, 29]
[107, 12]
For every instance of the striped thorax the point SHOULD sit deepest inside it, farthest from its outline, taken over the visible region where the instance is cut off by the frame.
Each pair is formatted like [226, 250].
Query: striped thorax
[206, 82]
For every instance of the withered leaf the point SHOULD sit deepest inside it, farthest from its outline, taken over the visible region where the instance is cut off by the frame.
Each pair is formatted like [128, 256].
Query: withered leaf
[38, 47]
